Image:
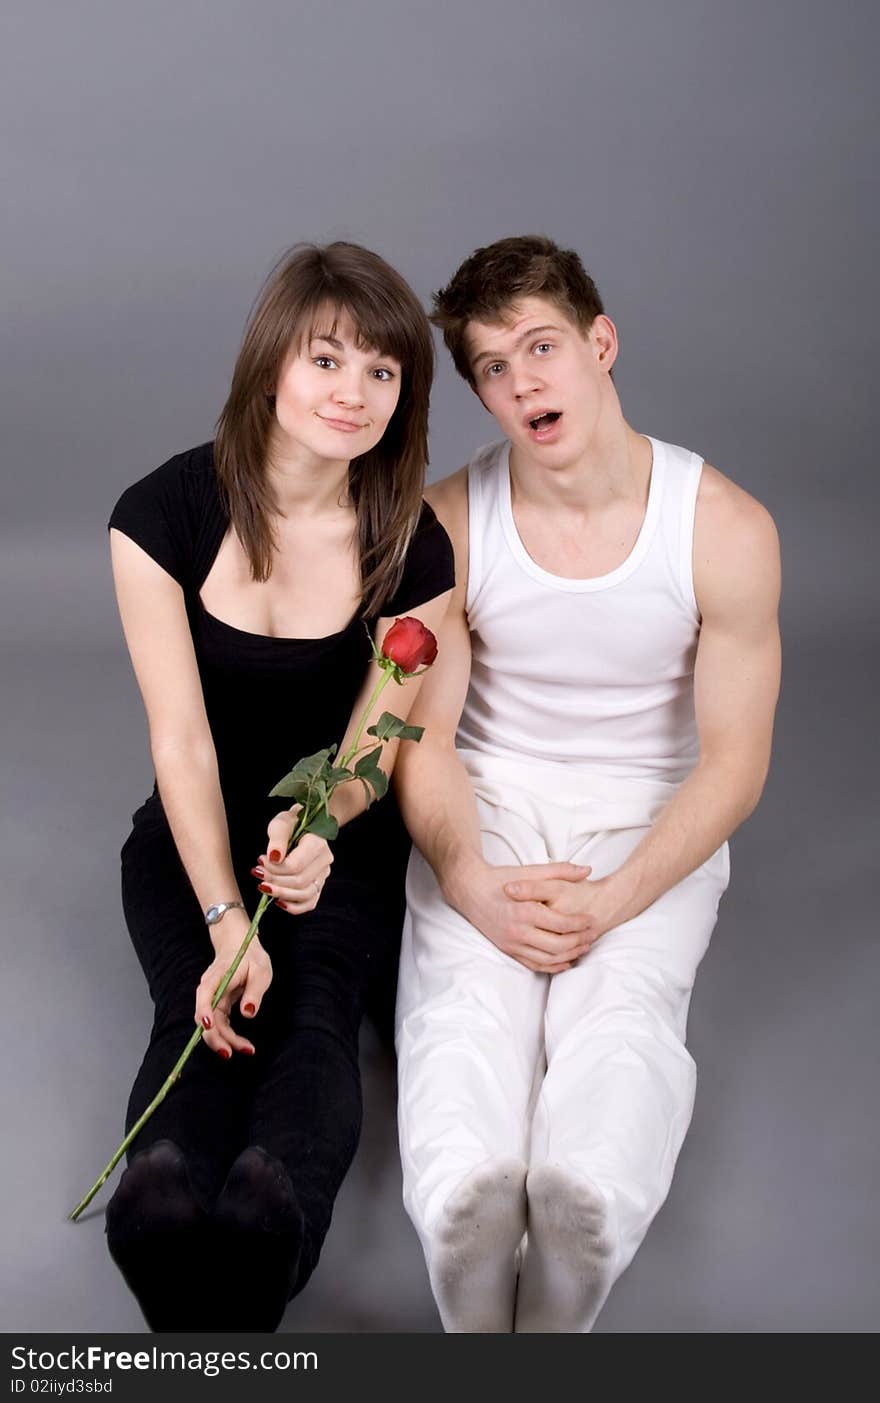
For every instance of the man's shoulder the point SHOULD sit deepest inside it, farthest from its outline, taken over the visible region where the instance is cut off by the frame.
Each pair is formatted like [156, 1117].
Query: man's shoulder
[736, 544]
[729, 515]
[449, 498]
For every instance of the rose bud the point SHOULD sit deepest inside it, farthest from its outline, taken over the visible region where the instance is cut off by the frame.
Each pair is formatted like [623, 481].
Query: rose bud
[409, 645]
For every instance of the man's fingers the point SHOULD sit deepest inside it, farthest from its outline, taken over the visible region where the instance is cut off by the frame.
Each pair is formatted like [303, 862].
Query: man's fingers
[557, 947]
[532, 946]
[553, 872]
[544, 921]
[543, 963]
[531, 890]
[572, 871]
[540, 888]
[540, 963]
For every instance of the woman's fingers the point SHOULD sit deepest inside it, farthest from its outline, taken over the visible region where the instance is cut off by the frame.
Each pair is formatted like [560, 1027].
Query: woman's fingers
[259, 977]
[250, 982]
[222, 1037]
[298, 904]
[296, 881]
[310, 853]
[205, 993]
[279, 834]
[305, 886]
[316, 870]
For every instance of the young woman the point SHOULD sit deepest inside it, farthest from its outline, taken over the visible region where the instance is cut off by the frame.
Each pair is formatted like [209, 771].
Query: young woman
[248, 573]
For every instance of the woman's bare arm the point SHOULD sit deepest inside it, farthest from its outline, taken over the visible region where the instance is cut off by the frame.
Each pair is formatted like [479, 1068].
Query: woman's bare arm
[289, 880]
[153, 613]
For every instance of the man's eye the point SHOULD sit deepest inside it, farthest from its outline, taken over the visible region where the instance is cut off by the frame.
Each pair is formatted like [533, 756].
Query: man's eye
[495, 368]
[543, 346]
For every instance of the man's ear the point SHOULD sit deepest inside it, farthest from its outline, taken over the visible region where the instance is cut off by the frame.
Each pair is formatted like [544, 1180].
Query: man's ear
[603, 338]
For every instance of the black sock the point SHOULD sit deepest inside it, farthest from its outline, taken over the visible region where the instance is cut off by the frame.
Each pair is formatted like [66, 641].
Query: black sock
[258, 1232]
[157, 1233]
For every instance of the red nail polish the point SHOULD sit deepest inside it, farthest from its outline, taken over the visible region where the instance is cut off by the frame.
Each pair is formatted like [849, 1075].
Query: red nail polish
[249, 1050]
[264, 887]
[248, 1008]
[257, 872]
[283, 904]
[275, 855]
[206, 1022]
[225, 1054]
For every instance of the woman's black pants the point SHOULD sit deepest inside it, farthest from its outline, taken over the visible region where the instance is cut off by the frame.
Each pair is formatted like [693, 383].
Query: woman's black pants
[299, 1097]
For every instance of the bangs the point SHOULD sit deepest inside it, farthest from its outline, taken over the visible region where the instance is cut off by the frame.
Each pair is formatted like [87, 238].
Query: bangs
[313, 290]
[376, 327]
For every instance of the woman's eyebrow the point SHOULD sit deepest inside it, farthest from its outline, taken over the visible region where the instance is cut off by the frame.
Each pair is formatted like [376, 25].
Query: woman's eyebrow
[331, 340]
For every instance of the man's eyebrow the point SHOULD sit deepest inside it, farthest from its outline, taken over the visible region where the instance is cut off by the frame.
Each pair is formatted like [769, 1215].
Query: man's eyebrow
[532, 331]
[331, 340]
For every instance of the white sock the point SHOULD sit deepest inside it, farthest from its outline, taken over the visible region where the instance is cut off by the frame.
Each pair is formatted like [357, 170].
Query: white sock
[473, 1267]
[566, 1272]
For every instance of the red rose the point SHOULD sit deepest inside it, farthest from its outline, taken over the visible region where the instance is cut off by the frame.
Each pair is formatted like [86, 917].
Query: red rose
[409, 645]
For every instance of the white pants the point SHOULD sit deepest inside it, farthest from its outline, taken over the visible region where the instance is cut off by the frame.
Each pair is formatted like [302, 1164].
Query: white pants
[586, 1069]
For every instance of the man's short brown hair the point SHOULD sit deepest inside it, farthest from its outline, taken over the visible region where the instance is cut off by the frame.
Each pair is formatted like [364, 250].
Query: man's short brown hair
[490, 283]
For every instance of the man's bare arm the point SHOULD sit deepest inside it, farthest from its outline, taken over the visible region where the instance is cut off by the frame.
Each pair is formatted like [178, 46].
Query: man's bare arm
[736, 685]
[437, 799]
[435, 793]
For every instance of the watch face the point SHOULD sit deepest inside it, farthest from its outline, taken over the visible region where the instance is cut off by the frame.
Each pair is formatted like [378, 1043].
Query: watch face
[216, 912]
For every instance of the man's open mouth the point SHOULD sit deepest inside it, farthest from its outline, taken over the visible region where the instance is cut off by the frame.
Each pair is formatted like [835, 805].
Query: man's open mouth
[543, 421]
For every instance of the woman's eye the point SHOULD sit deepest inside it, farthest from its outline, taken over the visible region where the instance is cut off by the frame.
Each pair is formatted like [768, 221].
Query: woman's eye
[381, 373]
[323, 362]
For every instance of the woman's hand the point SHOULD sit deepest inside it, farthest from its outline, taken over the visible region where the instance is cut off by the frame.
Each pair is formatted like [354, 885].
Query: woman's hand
[296, 880]
[247, 986]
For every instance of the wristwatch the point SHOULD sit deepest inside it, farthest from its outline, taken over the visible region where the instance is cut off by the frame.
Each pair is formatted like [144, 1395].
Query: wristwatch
[216, 913]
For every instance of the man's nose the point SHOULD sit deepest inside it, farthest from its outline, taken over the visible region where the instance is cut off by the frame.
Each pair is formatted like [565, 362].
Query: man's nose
[525, 380]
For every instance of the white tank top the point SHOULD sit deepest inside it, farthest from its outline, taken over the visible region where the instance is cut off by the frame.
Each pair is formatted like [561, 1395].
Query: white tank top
[596, 673]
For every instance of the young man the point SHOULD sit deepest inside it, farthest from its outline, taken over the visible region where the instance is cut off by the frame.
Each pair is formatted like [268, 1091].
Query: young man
[597, 724]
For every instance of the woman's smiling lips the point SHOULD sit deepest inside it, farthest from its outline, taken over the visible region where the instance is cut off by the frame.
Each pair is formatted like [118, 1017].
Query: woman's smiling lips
[345, 426]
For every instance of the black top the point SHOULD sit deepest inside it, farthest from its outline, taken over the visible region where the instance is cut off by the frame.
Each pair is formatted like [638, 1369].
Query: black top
[270, 701]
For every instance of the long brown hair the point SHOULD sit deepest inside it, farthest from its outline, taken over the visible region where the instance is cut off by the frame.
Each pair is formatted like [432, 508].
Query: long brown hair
[385, 484]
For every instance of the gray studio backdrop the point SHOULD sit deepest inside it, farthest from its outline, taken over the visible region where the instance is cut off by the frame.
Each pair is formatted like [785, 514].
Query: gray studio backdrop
[711, 163]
